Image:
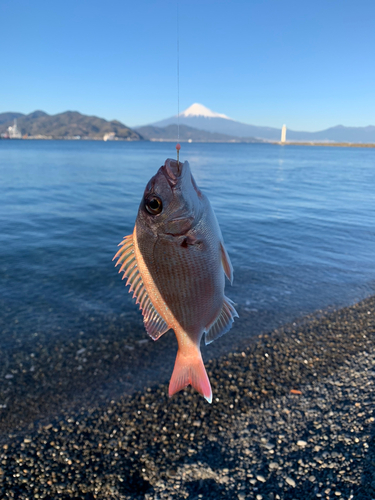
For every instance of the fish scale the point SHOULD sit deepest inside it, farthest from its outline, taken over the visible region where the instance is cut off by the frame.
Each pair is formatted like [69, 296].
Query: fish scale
[187, 291]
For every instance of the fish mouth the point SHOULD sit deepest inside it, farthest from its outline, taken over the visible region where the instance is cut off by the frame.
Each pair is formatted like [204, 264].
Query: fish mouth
[173, 171]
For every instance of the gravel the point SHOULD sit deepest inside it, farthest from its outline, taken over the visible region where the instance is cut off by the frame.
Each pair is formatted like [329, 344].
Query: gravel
[292, 417]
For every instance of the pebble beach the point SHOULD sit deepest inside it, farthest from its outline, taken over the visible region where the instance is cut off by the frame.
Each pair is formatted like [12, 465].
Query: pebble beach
[292, 417]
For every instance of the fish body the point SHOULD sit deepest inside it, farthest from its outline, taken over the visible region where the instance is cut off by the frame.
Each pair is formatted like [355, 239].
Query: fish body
[175, 262]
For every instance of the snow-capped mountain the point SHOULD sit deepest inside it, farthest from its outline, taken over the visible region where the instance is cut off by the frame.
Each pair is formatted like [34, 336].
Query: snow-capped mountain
[197, 109]
[203, 118]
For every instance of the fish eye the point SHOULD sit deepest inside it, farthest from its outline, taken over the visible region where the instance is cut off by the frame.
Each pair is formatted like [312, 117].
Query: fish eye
[153, 205]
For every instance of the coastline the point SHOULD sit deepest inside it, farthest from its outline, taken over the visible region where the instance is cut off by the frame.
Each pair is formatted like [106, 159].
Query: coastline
[292, 416]
[332, 144]
[195, 141]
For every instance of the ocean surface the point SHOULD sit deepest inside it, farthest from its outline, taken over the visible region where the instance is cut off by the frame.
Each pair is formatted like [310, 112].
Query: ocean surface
[298, 223]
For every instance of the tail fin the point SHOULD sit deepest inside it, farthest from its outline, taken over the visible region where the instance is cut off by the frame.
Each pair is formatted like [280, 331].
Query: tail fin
[190, 370]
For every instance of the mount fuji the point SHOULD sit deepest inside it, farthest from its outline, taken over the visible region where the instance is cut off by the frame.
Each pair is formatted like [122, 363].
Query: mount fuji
[199, 117]
[197, 109]
[203, 118]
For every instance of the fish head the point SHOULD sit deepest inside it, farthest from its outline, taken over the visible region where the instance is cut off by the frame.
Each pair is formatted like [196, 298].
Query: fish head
[171, 202]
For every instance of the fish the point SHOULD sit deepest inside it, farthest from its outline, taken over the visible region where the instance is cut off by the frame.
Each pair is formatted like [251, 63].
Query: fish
[175, 262]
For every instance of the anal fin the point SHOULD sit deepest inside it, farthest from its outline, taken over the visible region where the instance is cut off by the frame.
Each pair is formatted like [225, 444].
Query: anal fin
[223, 322]
[154, 323]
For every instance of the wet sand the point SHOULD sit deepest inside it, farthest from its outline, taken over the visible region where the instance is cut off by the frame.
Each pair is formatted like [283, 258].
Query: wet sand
[292, 417]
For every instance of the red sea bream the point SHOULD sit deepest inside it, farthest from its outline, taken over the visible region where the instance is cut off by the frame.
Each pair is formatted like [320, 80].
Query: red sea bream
[175, 262]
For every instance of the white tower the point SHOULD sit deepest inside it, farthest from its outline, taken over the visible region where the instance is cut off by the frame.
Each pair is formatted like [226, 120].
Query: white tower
[13, 132]
[283, 134]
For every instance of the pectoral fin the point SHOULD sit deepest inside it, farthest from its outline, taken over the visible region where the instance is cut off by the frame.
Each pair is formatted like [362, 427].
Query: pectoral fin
[227, 265]
[223, 322]
[154, 323]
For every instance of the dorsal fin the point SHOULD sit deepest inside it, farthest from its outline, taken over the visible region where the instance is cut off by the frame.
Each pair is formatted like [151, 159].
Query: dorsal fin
[227, 265]
[223, 322]
[154, 323]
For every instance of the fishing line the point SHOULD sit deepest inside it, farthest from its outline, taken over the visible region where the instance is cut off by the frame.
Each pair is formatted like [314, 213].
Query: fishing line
[178, 147]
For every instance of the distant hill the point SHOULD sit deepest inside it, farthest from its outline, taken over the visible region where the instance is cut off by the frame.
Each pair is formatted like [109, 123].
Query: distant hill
[9, 117]
[336, 134]
[67, 124]
[169, 133]
[202, 118]
[197, 123]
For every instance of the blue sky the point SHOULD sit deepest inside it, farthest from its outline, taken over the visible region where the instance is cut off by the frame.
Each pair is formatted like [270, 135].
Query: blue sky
[309, 64]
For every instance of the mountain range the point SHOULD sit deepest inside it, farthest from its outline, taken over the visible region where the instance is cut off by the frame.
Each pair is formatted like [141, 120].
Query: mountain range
[197, 123]
[200, 117]
[66, 125]
[185, 133]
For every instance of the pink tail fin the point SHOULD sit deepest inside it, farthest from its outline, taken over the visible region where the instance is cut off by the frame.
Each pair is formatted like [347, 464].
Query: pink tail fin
[190, 370]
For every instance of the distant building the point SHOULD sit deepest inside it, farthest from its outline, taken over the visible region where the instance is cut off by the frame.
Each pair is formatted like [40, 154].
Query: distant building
[13, 132]
[283, 134]
[110, 136]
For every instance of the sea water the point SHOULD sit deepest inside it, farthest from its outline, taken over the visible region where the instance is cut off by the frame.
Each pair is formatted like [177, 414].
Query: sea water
[298, 223]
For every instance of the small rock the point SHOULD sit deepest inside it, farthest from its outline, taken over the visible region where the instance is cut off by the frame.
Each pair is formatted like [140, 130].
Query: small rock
[312, 478]
[291, 482]
[269, 446]
[301, 443]
[262, 479]
[273, 465]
